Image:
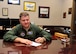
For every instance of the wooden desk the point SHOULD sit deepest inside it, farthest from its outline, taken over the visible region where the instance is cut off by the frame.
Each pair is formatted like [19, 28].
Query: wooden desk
[16, 48]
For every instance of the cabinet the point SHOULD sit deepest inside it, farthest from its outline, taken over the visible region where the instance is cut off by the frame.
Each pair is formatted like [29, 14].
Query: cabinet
[7, 23]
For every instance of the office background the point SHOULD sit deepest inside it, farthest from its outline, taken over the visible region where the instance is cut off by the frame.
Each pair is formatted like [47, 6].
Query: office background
[57, 8]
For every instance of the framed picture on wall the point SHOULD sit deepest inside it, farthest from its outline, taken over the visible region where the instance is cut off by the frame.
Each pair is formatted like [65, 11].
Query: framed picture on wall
[44, 12]
[29, 6]
[15, 2]
[70, 11]
[5, 11]
[64, 14]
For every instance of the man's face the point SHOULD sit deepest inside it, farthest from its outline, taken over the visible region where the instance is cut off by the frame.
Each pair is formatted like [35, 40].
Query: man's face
[25, 21]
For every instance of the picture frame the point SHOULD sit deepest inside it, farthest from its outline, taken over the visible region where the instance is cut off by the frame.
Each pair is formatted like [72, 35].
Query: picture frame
[64, 14]
[44, 12]
[29, 6]
[14, 2]
[70, 11]
[5, 11]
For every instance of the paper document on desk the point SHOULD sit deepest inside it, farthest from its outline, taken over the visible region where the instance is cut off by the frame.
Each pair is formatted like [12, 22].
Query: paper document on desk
[63, 40]
[35, 44]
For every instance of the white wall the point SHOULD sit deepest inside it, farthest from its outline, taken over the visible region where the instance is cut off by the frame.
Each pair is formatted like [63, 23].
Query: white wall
[66, 5]
[57, 7]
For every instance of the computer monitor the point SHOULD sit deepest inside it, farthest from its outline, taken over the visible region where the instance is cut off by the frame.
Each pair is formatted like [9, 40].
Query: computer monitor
[14, 22]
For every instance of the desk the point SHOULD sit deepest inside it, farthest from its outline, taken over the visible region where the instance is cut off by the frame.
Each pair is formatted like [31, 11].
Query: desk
[16, 48]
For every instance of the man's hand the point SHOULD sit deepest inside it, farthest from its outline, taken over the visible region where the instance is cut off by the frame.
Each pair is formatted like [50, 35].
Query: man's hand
[40, 40]
[21, 40]
[26, 41]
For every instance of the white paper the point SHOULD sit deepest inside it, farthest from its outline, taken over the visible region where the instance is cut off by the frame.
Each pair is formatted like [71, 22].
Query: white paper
[35, 44]
[63, 40]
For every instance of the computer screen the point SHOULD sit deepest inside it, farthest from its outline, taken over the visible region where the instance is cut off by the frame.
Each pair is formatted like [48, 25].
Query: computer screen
[14, 22]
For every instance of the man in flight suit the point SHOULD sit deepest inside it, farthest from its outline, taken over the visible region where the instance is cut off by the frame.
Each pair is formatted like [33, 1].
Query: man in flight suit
[25, 32]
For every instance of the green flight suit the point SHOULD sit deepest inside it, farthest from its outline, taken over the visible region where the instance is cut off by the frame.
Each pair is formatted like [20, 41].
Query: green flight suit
[33, 32]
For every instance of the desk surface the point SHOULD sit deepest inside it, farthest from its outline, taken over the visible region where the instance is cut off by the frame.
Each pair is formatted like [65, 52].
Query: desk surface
[16, 48]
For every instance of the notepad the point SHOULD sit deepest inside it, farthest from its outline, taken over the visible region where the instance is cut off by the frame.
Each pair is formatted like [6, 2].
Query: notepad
[35, 44]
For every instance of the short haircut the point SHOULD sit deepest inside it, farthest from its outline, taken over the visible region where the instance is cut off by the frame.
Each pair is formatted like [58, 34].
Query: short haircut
[23, 14]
